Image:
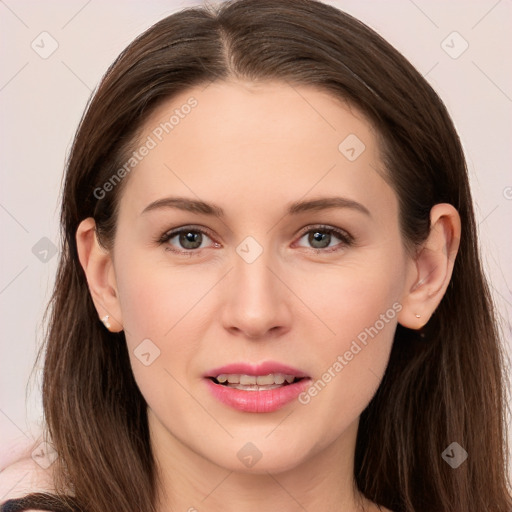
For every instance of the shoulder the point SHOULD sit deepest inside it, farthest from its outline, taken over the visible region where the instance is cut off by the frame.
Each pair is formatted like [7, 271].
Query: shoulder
[26, 475]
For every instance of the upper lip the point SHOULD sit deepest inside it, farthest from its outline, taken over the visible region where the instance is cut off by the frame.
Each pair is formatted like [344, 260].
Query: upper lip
[256, 369]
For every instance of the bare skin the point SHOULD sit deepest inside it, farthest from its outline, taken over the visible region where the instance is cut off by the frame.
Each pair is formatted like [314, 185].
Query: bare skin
[253, 150]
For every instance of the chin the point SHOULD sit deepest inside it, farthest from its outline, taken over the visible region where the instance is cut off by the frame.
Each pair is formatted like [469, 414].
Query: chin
[260, 456]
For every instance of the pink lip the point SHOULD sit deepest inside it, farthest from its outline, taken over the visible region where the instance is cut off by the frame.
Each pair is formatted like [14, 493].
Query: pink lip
[260, 369]
[257, 401]
[268, 400]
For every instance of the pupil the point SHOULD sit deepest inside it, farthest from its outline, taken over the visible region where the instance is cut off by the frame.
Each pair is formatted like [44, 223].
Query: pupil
[189, 240]
[318, 236]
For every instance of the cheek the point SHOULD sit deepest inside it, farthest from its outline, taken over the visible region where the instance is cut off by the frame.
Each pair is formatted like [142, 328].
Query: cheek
[162, 307]
[359, 305]
[155, 301]
[352, 296]
[157, 298]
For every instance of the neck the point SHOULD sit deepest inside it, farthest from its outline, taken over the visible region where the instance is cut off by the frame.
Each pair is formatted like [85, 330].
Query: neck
[321, 481]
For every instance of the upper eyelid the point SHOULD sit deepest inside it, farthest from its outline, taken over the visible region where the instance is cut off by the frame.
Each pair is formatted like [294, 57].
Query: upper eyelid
[339, 232]
[171, 233]
[325, 227]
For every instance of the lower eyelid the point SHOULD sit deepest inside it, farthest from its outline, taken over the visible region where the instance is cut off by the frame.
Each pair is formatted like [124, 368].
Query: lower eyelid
[339, 246]
[343, 236]
[172, 234]
[345, 239]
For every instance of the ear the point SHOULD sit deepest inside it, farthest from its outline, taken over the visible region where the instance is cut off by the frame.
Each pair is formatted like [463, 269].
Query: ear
[99, 270]
[432, 267]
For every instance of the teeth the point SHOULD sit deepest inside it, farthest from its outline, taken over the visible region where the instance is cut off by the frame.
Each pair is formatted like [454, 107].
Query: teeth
[245, 380]
[260, 380]
[254, 387]
[278, 379]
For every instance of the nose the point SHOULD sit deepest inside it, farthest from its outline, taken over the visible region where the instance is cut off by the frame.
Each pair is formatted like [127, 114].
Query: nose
[257, 303]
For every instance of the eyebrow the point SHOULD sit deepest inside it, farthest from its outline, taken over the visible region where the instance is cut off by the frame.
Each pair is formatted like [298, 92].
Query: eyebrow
[202, 207]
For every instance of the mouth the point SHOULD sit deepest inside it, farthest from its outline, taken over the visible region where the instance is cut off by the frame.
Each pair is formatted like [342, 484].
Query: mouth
[256, 377]
[255, 382]
[260, 388]
[249, 393]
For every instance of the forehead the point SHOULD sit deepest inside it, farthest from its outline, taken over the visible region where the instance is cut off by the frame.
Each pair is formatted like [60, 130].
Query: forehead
[256, 143]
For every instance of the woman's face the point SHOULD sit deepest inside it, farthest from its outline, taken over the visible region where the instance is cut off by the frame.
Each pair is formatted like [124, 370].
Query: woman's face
[278, 278]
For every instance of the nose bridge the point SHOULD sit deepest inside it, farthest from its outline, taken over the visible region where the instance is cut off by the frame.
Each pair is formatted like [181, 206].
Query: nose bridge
[256, 302]
[252, 272]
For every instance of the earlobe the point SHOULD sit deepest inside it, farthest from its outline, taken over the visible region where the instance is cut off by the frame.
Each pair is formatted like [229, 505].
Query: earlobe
[434, 264]
[99, 270]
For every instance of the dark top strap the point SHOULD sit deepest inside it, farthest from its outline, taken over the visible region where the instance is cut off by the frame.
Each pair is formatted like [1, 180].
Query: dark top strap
[41, 501]
[13, 506]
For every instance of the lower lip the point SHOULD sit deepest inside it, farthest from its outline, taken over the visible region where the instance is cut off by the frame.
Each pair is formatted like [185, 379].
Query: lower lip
[269, 400]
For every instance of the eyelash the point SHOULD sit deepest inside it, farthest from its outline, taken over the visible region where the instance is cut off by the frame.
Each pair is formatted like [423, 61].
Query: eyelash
[346, 239]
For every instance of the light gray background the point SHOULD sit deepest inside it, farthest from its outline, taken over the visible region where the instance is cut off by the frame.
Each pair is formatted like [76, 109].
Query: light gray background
[42, 99]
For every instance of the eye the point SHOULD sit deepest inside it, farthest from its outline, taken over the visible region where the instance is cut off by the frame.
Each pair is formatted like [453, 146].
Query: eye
[190, 239]
[320, 238]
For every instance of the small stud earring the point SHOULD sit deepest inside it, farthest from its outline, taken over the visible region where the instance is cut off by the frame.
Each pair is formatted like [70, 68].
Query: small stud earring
[106, 322]
[418, 316]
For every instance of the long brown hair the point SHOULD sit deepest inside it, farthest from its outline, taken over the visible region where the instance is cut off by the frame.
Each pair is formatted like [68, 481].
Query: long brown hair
[443, 384]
